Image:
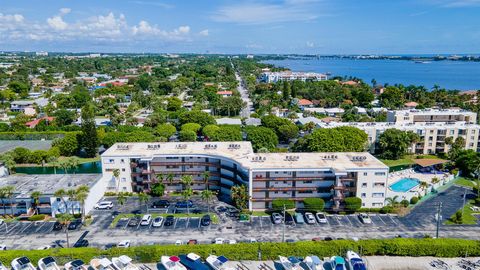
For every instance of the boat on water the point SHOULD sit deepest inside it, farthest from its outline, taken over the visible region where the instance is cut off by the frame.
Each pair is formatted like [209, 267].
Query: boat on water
[48, 263]
[103, 264]
[338, 263]
[422, 62]
[218, 262]
[193, 262]
[288, 265]
[313, 263]
[124, 263]
[355, 262]
[76, 265]
[172, 263]
[22, 263]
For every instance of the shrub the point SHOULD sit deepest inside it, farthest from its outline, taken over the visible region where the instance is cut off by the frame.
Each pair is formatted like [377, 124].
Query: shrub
[386, 209]
[477, 201]
[414, 200]
[36, 217]
[353, 203]
[187, 136]
[405, 203]
[278, 204]
[314, 204]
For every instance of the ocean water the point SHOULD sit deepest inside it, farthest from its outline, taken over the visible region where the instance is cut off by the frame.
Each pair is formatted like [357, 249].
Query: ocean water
[447, 74]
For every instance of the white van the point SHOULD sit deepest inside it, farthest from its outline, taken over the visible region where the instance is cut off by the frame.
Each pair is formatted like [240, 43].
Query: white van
[146, 220]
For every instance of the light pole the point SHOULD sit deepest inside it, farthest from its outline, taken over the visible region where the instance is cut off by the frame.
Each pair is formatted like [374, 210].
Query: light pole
[283, 233]
[439, 209]
[464, 200]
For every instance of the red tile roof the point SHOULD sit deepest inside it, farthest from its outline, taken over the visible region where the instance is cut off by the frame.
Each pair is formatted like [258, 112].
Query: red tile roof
[411, 104]
[34, 123]
[224, 92]
[304, 102]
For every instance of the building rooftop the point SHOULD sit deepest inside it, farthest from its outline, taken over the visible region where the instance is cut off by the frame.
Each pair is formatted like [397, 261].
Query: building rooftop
[412, 126]
[47, 183]
[242, 152]
[432, 112]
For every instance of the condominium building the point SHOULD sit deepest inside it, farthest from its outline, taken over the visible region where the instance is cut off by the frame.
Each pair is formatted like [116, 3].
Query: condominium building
[273, 77]
[268, 176]
[432, 134]
[431, 115]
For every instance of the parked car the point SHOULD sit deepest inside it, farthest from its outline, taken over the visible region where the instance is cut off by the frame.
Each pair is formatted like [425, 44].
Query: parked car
[232, 212]
[364, 218]
[57, 226]
[104, 205]
[3, 247]
[124, 244]
[76, 224]
[299, 218]
[161, 204]
[169, 220]
[310, 218]
[110, 246]
[277, 218]
[206, 220]
[81, 243]
[157, 222]
[192, 242]
[133, 222]
[178, 243]
[321, 218]
[146, 220]
[184, 204]
[289, 219]
[218, 241]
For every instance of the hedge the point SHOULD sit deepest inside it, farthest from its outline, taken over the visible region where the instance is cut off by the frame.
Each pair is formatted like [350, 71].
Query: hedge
[46, 135]
[270, 251]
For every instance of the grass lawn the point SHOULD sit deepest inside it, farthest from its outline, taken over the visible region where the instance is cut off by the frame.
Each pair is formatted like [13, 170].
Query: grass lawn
[182, 215]
[462, 181]
[259, 213]
[468, 218]
[406, 160]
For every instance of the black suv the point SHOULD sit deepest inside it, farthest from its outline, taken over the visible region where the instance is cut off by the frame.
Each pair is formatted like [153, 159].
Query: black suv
[81, 243]
[77, 223]
[206, 220]
[134, 222]
[169, 221]
[57, 226]
[161, 204]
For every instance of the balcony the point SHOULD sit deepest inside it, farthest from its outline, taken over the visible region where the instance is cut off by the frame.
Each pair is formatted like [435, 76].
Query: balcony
[186, 163]
[284, 189]
[291, 178]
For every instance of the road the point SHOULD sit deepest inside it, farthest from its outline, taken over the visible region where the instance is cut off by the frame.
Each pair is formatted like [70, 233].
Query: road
[247, 110]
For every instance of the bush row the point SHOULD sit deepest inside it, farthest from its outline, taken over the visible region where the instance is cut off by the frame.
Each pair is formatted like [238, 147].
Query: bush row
[270, 251]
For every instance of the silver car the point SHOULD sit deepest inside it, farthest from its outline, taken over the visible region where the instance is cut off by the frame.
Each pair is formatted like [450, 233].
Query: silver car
[277, 218]
[310, 218]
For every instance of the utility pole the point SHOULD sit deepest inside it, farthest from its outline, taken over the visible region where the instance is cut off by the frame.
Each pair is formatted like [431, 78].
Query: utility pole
[464, 200]
[283, 233]
[439, 209]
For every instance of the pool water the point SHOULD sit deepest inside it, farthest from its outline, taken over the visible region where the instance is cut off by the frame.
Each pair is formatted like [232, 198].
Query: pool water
[404, 184]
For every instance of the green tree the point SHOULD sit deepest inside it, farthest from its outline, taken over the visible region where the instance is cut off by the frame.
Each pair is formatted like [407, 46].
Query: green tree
[353, 203]
[206, 177]
[392, 97]
[187, 136]
[143, 198]
[158, 189]
[65, 220]
[199, 117]
[121, 198]
[68, 145]
[394, 143]
[287, 132]
[81, 196]
[467, 162]
[207, 196]
[191, 127]
[89, 131]
[9, 162]
[116, 175]
[240, 196]
[314, 204]
[35, 195]
[210, 130]
[392, 201]
[456, 147]
[166, 130]
[262, 137]
[278, 204]
[339, 139]
[174, 104]
[7, 192]
[64, 117]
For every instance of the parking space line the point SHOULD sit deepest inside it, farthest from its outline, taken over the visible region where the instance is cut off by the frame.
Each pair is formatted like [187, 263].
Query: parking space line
[175, 225]
[338, 220]
[261, 223]
[14, 226]
[379, 217]
[38, 229]
[394, 222]
[28, 226]
[126, 224]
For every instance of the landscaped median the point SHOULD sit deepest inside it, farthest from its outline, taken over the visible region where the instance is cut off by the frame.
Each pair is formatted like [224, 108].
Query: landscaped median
[154, 215]
[270, 251]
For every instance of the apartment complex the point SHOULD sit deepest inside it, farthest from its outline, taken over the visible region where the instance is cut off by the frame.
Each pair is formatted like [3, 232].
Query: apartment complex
[273, 77]
[431, 115]
[268, 176]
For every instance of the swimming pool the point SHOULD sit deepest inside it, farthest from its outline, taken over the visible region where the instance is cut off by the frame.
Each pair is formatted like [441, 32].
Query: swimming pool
[404, 184]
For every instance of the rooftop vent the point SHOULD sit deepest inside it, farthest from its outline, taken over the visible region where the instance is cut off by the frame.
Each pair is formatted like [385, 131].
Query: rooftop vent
[359, 158]
[123, 146]
[234, 146]
[330, 157]
[210, 146]
[259, 159]
[181, 146]
[153, 146]
[292, 158]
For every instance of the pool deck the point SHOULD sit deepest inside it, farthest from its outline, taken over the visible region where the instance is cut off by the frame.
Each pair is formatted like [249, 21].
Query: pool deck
[415, 191]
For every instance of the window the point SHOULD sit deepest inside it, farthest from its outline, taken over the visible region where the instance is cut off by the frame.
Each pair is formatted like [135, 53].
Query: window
[377, 195]
[379, 173]
[429, 144]
[124, 179]
[364, 185]
[123, 169]
[122, 160]
[307, 182]
[305, 191]
[124, 188]
[172, 157]
[364, 195]
[365, 174]
[452, 132]
[379, 185]
[109, 161]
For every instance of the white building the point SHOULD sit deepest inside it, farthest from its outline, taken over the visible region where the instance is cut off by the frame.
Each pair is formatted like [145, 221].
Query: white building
[431, 115]
[269, 176]
[273, 77]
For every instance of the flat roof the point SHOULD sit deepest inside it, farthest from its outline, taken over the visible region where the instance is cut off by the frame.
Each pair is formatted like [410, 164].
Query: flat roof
[47, 184]
[242, 152]
[427, 162]
[433, 112]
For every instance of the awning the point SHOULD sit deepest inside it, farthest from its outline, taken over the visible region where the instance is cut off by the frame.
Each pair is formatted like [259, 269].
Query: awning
[427, 162]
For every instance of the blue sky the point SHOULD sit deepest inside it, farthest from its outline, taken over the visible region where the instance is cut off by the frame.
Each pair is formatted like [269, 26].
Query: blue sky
[242, 26]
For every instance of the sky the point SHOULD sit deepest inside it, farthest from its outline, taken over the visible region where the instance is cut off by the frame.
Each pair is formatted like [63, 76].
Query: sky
[242, 26]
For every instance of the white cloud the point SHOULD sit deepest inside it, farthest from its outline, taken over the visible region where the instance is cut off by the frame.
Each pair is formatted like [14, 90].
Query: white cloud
[11, 18]
[65, 11]
[204, 33]
[57, 23]
[260, 13]
[462, 3]
[310, 44]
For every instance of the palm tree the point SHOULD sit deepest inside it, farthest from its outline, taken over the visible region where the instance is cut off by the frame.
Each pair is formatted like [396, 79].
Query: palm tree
[65, 220]
[160, 177]
[116, 175]
[73, 163]
[61, 193]
[54, 162]
[206, 177]
[72, 194]
[121, 198]
[9, 163]
[423, 185]
[240, 196]
[207, 195]
[36, 200]
[64, 165]
[143, 198]
[170, 177]
[392, 201]
[82, 194]
[8, 191]
[187, 194]
[187, 181]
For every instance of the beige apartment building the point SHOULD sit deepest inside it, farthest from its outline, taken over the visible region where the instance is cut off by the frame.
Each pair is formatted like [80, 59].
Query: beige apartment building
[268, 176]
[431, 115]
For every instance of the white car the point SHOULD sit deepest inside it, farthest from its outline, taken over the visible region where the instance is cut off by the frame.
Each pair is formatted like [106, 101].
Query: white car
[3, 247]
[277, 218]
[157, 222]
[231, 242]
[104, 205]
[124, 244]
[365, 219]
[219, 241]
[44, 247]
[178, 243]
[321, 218]
[310, 218]
[146, 220]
